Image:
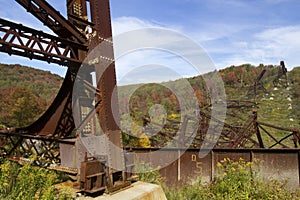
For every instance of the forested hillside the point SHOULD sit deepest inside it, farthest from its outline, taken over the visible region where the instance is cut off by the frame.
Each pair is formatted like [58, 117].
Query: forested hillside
[25, 93]
[276, 104]
[238, 82]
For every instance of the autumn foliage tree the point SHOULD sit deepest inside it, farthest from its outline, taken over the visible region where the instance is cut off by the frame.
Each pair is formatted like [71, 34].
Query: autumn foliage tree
[20, 107]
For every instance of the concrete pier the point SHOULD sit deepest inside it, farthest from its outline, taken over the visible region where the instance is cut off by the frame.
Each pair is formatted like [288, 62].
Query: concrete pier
[137, 191]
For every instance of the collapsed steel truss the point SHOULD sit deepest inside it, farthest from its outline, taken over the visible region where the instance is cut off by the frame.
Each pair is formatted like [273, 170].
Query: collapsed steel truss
[252, 134]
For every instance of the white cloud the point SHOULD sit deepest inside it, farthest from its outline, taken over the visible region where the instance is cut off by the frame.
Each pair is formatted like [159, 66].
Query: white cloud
[138, 44]
[284, 35]
[231, 43]
[234, 45]
[267, 46]
[278, 44]
[125, 24]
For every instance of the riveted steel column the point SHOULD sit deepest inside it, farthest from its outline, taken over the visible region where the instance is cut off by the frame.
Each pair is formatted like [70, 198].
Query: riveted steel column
[106, 83]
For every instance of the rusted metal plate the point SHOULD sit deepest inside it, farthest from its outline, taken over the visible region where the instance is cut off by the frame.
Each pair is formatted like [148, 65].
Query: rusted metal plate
[170, 176]
[157, 159]
[67, 155]
[192, 167]
[279, 166]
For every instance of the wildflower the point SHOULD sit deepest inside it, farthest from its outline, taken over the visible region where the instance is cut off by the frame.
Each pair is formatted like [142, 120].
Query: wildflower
[219, 164]
[241, 168]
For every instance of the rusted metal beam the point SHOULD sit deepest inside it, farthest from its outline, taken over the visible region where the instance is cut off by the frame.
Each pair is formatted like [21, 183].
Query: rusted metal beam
[58, 119]
[244, 133]
[281, 164]
[257, 131]
[78, 15]
[53, 19]
[296, 137]
[260, 76]
[282, 139]
[106, 83]
[70, 48]
[275, 127]
[282, 72]
[27, 42]
[36, 137]
[271, 136]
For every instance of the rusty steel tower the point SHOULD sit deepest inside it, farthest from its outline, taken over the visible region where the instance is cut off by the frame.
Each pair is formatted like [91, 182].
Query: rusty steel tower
[52, 136]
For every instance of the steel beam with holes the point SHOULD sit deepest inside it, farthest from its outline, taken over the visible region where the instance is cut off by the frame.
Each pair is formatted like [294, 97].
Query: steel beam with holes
[24, 41]
[53, 19]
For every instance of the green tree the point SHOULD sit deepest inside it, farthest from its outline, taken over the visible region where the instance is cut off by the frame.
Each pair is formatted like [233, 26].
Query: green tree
[4, 108]
[22, 108]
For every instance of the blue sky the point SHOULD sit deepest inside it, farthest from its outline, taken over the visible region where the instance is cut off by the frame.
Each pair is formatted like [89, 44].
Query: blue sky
[232, 32]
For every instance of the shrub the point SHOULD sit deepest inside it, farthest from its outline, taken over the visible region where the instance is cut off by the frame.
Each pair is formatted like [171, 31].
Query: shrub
[236, 180]
[147, 173]
[29, 182]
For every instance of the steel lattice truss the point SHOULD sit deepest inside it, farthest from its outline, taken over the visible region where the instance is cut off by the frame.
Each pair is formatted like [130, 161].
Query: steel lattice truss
[20, 40]
[249, 135]
[72, 40]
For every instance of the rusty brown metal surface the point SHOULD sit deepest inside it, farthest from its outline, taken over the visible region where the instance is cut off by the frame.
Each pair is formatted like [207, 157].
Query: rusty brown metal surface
[252, 134]
[78, 15]
[57, 120]
[43, 11]
[23, 41]
[198, 167]
[92, 176]
[282, 74]
[282, 166]
[256, 86]
[75, 37]
[106, 83]
[279, 164]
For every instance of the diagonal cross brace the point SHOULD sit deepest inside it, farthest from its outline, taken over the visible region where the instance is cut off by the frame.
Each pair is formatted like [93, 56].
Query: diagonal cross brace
[21, 40]
[53, 19]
